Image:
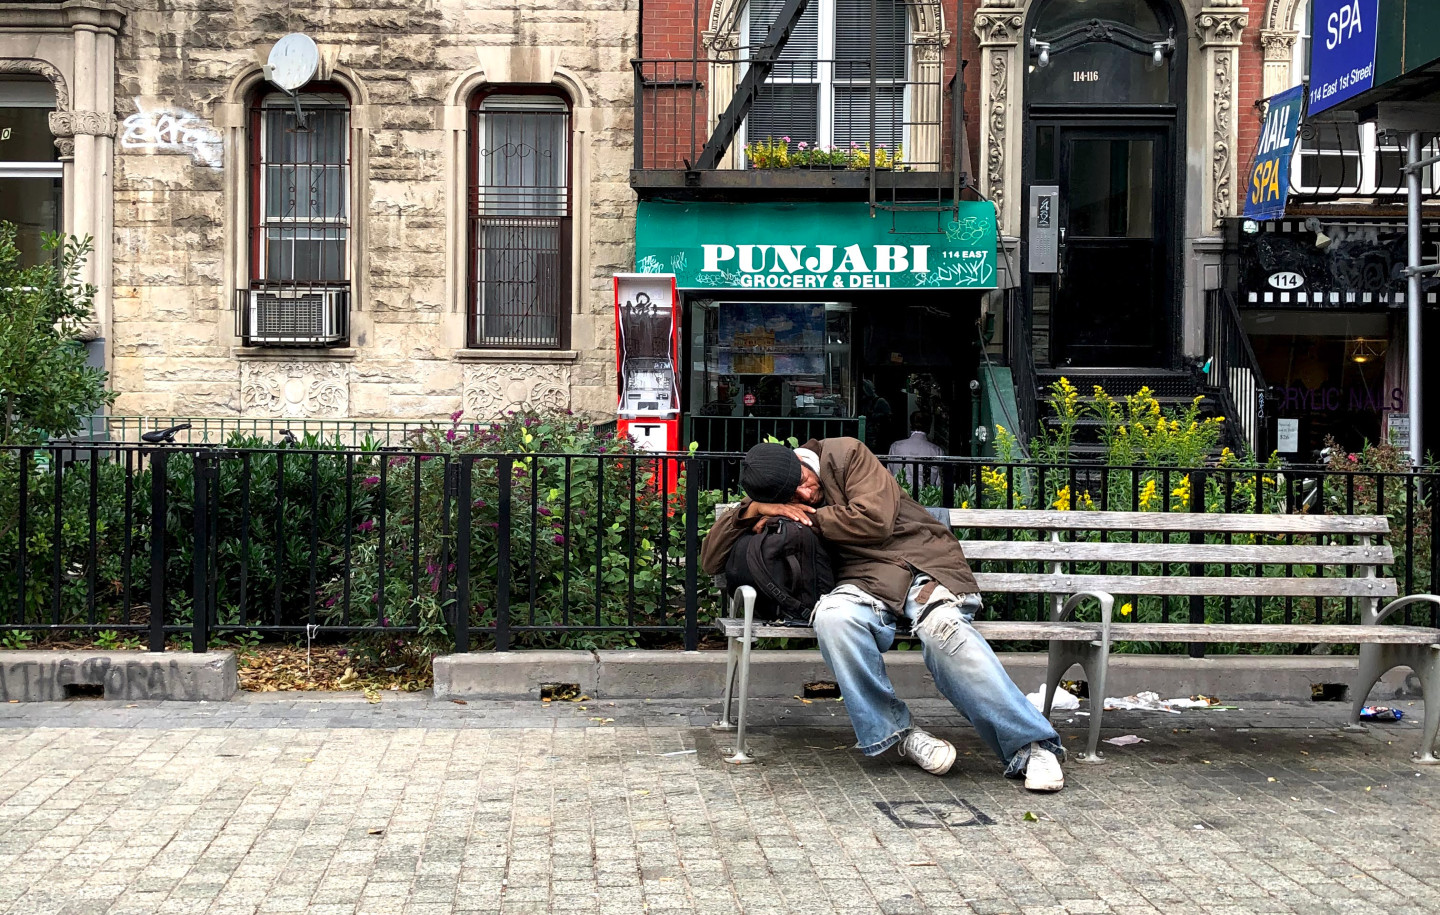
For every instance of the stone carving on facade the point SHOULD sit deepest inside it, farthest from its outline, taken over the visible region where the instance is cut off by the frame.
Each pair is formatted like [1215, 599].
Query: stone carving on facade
[67, 125]
[40, 68]
[1221, 27]
[1279, 14]
[995, 148]
[299, 389]
[492, 389]
[1279, 44]
[998, 28]
[1224, 139]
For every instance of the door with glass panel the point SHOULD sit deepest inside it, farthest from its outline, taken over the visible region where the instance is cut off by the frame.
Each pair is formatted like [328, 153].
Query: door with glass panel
[1114, 276]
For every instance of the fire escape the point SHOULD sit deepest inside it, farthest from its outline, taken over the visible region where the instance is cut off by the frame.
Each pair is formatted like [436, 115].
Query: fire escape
[766, 107]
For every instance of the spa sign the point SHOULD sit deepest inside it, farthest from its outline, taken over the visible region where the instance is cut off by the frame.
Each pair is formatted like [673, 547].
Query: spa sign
[816, 246]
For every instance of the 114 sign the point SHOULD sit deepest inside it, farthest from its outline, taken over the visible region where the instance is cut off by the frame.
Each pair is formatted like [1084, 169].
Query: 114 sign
[1269, 183]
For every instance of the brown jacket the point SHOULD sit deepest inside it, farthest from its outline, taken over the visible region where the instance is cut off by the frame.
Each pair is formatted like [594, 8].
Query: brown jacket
[880, 535]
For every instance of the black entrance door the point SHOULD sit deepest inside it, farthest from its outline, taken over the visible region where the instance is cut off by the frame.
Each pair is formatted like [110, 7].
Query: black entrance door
[1113, 290]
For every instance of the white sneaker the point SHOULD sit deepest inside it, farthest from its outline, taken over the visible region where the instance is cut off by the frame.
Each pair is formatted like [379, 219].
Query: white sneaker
[1043, 772]
[929, 752]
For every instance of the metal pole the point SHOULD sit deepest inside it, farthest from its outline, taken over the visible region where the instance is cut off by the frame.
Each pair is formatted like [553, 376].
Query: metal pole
[1412, 302]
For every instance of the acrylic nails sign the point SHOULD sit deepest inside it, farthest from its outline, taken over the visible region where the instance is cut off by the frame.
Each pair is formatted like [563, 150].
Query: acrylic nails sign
[816, 246]
[1342, 51]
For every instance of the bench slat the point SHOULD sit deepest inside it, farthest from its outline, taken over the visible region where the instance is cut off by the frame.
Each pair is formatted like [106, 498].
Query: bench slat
[1181, 585]
[1177, 552]
[1214, 633]
[1010, 630]
[978, 518]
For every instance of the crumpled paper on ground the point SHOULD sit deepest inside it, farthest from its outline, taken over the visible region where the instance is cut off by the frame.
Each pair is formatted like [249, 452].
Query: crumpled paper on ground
[1151, 702]
[1065, 701]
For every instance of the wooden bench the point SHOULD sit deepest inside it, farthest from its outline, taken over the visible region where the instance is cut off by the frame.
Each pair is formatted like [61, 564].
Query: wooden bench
[1350, 543]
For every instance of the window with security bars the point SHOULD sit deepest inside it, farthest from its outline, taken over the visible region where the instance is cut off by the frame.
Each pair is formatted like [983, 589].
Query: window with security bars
[820, 92]
[300, 204]
[520, 220]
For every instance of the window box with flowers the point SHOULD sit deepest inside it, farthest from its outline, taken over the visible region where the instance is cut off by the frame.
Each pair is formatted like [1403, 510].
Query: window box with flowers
[779, 153]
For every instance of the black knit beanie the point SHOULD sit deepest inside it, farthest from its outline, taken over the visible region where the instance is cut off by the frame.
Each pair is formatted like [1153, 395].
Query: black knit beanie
[770, 473]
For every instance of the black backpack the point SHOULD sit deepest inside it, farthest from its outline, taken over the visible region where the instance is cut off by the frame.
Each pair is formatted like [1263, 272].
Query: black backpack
[787, 564]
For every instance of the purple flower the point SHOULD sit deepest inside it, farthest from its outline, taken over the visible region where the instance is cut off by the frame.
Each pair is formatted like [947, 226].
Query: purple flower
[425, 457]
[455, 417]
[494, 523]
[544, 511]
[341, 653]
[431, 568]
[559, 539]
[397, 461]
[365, 526]
[479, 503]
[330, 602]
[450, 435]
[370, 481]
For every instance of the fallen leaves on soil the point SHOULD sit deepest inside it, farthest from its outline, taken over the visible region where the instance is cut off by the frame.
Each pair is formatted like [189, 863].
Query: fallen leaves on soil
[282, 668]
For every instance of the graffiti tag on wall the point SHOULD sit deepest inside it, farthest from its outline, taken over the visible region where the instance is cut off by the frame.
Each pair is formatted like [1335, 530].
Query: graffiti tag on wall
[172, 130]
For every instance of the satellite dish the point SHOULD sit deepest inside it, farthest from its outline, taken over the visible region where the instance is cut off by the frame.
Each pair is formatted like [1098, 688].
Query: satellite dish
[293, 62]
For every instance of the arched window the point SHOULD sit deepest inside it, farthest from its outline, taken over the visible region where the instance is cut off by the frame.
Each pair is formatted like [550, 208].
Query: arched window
[519, 219]
[1103, 52]
[31, 174]
[299, 205]
[819, 92]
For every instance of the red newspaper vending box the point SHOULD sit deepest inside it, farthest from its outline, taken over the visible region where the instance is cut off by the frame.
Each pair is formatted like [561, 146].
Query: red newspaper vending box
[647, 362]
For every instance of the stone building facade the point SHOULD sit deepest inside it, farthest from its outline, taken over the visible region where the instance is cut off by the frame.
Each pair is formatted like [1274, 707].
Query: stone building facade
[158, 105]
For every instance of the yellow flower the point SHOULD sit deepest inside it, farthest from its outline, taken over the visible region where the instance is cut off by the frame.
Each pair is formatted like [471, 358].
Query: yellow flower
[1126, 609]
[1062, 499]
[1086, 502]
[965, 504]
[1182, 492]
[1226, 456]
[1148, 496]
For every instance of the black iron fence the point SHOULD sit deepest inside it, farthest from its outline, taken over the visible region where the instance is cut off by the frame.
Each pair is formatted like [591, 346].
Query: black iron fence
[520, 549]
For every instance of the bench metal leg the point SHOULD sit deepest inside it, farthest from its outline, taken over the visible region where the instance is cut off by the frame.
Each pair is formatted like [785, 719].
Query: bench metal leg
[732, 652]
[1377, 660]
[746, 596]
[1092, 658]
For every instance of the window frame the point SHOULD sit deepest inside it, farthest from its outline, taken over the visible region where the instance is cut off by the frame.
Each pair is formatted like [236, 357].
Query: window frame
[50, 170]
[258, 220]
[564, 282]
[825, 78]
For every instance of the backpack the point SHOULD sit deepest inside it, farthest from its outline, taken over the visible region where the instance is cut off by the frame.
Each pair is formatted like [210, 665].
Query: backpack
[787, 564]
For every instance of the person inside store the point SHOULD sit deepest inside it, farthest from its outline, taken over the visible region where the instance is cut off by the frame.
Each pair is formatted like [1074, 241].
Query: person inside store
[894, 560]
[916, 445]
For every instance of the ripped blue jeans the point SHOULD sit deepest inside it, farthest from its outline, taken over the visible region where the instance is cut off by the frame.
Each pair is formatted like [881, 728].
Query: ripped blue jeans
[855, 630]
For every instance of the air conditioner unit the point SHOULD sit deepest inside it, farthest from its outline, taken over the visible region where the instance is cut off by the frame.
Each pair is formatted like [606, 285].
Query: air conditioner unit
[304, 315]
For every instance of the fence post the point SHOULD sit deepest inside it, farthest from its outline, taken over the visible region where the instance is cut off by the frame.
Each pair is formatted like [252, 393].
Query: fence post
[159, 461]
[1197, 602]
[505, 471]
[461, 619]
[200, 558]
[692, 556]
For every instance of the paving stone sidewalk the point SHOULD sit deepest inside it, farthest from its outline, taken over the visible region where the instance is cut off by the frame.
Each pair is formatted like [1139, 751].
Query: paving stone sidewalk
[336, 806]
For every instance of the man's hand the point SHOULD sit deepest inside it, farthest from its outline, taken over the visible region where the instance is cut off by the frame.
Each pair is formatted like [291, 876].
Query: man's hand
[795, 511]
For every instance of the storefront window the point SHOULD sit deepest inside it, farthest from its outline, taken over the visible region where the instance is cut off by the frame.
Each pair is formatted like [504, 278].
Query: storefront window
[31, 174]
[772, 359]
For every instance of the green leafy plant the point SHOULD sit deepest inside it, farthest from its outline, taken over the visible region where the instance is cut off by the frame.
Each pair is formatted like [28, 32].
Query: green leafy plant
[16, 640]
[46, 386]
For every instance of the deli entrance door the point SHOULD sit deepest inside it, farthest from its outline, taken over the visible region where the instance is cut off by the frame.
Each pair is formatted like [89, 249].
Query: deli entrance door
[1111, 295]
